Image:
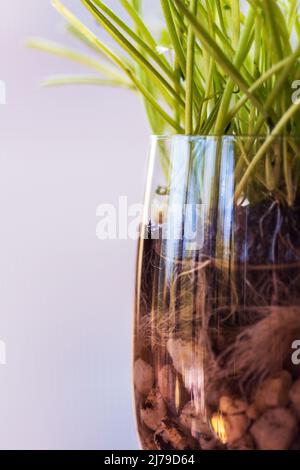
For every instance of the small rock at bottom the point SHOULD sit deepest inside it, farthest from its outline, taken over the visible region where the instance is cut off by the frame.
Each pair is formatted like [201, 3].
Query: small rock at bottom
[147, 440]
[235, 427]
[276, 429]
[169, 437]
[245, 443]
[187, 357]
[232, 406]
[210, 442]
[153, 410]
[274, 392]
[143, 376]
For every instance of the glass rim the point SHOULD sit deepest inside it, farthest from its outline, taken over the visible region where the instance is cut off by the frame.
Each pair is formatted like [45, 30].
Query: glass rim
[230, 137]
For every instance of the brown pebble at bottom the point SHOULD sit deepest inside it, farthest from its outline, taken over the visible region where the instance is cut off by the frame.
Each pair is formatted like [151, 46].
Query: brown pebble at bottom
[210, 442]
[235, 427]
[185, 354]
[147, 439]
[245, 443]
[274, 392]
[143, 376]
[153, 410]
[169, 437]
[276, 429]
[232, 406]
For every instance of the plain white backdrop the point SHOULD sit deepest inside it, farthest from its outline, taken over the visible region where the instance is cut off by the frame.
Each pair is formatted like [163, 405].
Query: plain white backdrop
[66, 299]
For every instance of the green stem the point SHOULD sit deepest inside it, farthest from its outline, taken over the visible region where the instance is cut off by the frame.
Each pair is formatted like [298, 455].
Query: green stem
[190, 74]
[173, 34]
[59, 80]
[287, 168]
[278, 87]
[177, 111]
[258, 83]
[133, 13]
[241, 53]
[161, 82]
[78, 57]
[221, 17]
[76, 23]
[154, 103]
[273, 29]
[264, 148]
[214, 49]
[236, 23]
[149, 49]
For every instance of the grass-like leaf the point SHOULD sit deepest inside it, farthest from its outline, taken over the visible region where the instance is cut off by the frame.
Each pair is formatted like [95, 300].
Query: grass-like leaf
[216, 68]
[59, 80]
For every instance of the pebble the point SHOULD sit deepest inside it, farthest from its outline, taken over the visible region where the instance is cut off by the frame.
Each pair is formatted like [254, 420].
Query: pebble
[232, 406]
[187, 357]
[209, 442]
[274, 392]
[169, 437]
[245, 443]
[276, 429]
[235, 427]
[153, 410]
[143, 376]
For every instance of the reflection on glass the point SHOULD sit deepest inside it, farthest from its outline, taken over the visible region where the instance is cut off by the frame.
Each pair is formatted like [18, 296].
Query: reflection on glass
[217, 302]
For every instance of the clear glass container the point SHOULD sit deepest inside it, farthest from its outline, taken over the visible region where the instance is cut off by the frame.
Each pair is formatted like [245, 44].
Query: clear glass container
[217, 320]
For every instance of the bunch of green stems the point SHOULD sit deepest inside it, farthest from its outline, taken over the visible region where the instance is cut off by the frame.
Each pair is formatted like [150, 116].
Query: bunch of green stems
[217, 68]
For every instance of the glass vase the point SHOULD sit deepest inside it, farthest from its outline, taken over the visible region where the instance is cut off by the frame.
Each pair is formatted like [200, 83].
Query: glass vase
[217, 319]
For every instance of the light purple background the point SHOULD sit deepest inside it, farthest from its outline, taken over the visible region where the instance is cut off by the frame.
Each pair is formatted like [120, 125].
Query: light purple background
[65, 297]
